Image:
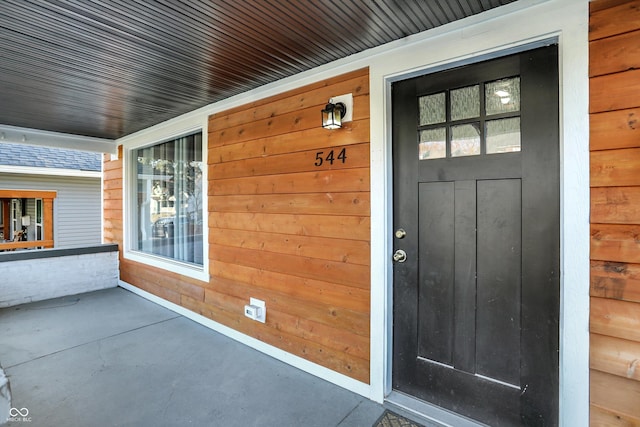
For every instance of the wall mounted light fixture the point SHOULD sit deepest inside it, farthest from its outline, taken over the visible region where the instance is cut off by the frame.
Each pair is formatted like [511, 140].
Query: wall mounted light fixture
[338, 110]
[332, 115]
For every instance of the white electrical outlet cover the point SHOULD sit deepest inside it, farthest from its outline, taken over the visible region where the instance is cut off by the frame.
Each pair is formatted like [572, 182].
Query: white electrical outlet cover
[261, 312]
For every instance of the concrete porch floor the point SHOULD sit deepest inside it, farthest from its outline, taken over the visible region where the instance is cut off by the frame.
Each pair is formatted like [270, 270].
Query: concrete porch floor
[112, 358]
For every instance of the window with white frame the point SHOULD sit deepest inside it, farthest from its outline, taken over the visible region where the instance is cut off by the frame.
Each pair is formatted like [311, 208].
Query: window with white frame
[168, 207]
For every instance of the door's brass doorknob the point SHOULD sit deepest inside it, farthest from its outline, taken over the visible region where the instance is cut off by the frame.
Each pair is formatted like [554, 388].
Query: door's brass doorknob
[400, 256]
[400, 233]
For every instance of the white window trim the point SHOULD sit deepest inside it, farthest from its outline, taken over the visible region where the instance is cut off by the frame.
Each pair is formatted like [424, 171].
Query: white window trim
[163, 133]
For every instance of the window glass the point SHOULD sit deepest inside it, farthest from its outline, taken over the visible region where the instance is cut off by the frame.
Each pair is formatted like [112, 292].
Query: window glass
[169, 199]
[433, 144]
[432, 109]
[465, 140]
[465, 103]
[503, 136]
[502, 96]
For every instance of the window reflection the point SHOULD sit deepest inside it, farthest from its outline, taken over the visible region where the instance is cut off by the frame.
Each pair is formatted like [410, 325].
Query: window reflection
[169, 202]
[503, 136]
[433, 144]
[465, 140]
[502, 96]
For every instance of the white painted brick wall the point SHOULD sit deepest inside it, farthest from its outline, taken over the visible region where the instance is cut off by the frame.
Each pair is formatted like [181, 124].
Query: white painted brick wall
[39, 279]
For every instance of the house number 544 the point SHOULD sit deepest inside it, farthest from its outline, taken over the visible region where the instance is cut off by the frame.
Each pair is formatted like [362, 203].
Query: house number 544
[330, 157]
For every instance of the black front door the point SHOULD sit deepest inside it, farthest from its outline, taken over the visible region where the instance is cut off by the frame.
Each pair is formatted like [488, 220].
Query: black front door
[476, 218]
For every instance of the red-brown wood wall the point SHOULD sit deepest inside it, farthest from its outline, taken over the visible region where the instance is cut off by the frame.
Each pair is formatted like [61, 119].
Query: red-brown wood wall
[281, 227]
[614, 62]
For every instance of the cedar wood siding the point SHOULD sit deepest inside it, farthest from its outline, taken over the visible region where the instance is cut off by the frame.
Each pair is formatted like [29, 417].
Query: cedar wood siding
[281, 229]
[614, 72]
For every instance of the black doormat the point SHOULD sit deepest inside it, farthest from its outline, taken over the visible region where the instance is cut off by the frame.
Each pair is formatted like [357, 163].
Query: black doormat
[391, 419]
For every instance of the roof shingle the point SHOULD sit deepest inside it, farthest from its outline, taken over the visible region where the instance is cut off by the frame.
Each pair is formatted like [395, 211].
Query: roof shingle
[48, 157]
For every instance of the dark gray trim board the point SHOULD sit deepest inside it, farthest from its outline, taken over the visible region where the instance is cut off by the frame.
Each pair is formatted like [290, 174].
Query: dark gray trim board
[52, 253]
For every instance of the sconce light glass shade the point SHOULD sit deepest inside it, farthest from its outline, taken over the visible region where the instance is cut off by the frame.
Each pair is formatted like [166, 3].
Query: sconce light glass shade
[332, 115]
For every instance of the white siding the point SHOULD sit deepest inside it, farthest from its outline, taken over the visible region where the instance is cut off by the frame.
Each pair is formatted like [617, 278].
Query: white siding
[76, 209]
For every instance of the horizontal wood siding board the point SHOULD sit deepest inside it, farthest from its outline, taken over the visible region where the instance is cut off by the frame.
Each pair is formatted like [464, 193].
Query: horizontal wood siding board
[318, 291]
[337, 317]
[330, 271]
[113, 184]
[614, 19]
[292, 102]
[316, 138]
[112, 174]
[602, 417]
[334, 226]
[346, 251]
[615, 318]
[615, 129]
[112, 194]
[113, 205]
[615, 205]
[615, 356]
[615, 168]
[357, 204]
[614, 91]
[113, 223]
[353, 156]
[595, 6]
[613, 242]
[328, 83]
[340, 362]
[153, 288]
[339, 180]
[113, 165]
[295, 121]
[614, 54]
[616, 393]
[335, 339]
[280, 317]
[168, 280]
[615, 280]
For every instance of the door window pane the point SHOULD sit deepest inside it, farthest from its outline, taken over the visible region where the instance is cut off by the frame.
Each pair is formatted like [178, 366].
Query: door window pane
[169, 199]
[503, 136]
[502, 96]
[465, 103]
[433, 144]
[465, 140]
[432, 109]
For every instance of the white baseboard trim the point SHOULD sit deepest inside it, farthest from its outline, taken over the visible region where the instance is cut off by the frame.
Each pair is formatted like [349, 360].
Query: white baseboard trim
[281, 355]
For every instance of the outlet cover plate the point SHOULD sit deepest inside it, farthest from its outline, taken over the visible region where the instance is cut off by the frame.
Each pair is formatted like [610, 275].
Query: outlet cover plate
[263, 309]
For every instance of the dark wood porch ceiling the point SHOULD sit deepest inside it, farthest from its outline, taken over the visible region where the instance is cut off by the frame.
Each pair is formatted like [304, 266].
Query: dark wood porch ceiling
[110, 68]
